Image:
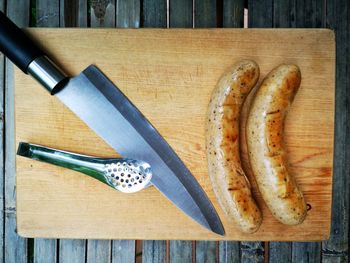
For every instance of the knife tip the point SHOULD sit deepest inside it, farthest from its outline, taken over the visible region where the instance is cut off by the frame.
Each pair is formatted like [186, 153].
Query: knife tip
[219, 230]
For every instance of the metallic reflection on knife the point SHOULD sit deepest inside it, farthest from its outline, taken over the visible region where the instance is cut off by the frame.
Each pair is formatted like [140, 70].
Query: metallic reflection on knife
[110, 114]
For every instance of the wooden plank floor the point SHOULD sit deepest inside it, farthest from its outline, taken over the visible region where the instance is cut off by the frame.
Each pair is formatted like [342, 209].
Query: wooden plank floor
[179, 13]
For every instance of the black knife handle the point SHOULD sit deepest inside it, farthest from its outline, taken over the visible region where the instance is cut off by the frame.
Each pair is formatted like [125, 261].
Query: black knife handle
[16, 45]
[31, 59]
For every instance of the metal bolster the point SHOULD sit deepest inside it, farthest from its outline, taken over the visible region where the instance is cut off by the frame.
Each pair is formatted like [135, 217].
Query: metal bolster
[46, 72]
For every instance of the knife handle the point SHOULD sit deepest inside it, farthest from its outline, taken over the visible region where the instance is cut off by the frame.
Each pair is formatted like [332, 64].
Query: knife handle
[30, 58]
[16, 45]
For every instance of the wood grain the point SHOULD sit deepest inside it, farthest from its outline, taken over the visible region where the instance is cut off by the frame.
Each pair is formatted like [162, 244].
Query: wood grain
[181, 13]
[73, 13]
[229, 251]
[306, 252]
[123, 251]
[154, 251]
[206, 251]
[128, 13]
[260, 13]
[233, 13]
[205, 14]
[310, 13]
[280, 252]
[154, 13]
[45, 250]
[98, 251]
[177, 78]
[180, 251]
[71, 250]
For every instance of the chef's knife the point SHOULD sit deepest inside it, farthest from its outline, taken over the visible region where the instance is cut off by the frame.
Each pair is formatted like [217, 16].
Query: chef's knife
[110, 114]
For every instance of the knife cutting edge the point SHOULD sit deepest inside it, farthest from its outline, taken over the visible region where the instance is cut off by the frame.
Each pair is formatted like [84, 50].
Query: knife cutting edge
[109, 113]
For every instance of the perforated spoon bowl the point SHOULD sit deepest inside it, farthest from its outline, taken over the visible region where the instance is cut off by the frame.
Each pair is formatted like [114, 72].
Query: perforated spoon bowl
[124, 175]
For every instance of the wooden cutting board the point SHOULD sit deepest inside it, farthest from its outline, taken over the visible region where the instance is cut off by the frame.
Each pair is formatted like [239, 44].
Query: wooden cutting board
[169, 75]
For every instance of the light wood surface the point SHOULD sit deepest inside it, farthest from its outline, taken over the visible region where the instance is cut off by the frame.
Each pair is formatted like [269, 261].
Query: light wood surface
[169, 75]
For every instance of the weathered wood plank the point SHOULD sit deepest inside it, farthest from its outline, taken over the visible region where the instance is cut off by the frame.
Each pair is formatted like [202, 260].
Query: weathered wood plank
[47, 15]
[252, 252]
[280, 252]
[206, 251]
[284, 13]
[154, 251]
[98, 251]
[128, 13]
[205, 13]
[154, 13]
[260, 13]
[123, 251]
[73, 13]
[233, 13]
[305, 252]
[310, 13]
[2, 126]
[336, 249]
[181, 13]
[15, 246]
[229, 251]
[72, 251]
[180, 251]
[45, 250]
[102, 13]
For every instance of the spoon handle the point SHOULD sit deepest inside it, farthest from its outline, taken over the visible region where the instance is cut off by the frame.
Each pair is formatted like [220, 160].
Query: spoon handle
[122, 174]
[88, 165]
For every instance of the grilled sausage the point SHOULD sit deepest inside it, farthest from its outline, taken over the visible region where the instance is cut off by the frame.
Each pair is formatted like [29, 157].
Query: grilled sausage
[229, 181]
[264, 133]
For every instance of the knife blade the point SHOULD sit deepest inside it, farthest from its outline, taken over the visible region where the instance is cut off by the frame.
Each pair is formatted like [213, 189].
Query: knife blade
[112, 116]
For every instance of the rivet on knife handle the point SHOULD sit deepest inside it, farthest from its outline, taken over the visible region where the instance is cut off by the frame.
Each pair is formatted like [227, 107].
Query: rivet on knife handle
[125, 175]
[30, 58]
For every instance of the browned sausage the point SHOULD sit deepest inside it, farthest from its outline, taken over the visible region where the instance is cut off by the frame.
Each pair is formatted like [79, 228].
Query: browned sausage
[267, 155]
[230, 183]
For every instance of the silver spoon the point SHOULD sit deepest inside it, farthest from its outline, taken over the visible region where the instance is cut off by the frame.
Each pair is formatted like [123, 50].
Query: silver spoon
[124, 175]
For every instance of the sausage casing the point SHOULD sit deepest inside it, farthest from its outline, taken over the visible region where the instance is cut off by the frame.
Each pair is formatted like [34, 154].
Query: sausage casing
[267, 155]
[229, 181]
